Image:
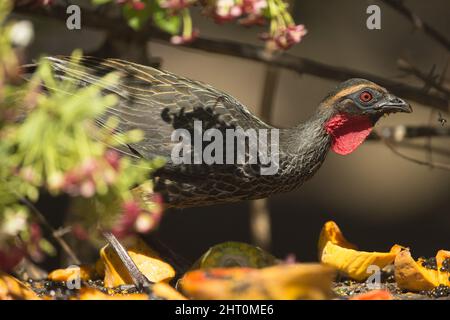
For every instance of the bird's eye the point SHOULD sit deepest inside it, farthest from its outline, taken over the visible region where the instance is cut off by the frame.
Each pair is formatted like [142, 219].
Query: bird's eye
[365, 96]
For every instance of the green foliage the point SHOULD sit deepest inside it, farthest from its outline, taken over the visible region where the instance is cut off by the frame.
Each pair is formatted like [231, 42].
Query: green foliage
[174, 17]
[165, 21]
[49, 141]
[100, 2]
[136, 18]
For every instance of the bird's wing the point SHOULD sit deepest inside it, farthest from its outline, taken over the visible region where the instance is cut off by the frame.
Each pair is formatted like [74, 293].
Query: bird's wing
[156, 101]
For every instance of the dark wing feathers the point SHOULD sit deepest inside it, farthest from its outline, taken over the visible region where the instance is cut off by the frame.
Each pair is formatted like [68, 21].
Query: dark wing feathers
[156, 101]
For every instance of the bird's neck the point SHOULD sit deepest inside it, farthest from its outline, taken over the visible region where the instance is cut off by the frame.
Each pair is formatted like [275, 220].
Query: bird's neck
[305, 146]
[309, 135]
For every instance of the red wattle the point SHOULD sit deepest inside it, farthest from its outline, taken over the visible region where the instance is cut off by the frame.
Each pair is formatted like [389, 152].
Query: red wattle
[348, 132]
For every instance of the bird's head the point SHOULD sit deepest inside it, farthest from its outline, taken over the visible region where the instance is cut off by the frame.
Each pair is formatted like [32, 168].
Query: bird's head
[356, 105]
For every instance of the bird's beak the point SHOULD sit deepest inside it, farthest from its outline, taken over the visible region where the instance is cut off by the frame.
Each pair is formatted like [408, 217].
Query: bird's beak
[391, 104]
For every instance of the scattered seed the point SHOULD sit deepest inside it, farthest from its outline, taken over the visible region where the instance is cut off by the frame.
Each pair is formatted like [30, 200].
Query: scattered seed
[429, 263]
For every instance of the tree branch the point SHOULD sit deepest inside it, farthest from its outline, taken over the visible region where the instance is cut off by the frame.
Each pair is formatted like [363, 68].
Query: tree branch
[118, 28]
[428, 79]
[431, 164]
[398, 6]
[55, 235]
[402, 132]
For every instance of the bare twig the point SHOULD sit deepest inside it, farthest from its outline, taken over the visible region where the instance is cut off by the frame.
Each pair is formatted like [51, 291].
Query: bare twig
[63, 231]
[55, 235]
[402, 132]
[118, 28]
[140, 281]
[429, 80]
[437, 165]
[413, 146]
[398, 6]
[307, 66]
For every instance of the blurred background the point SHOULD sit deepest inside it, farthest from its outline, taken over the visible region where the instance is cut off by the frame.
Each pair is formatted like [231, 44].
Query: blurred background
[376, 197]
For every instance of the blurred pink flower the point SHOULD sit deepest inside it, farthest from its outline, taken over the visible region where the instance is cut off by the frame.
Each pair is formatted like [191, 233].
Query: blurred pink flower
[175, 4]
[33, 248]
[254, 7]
[79, 232]
[113, 159]
[87, 189]
[184, 39]
[129, 214]
[10, 257]
[12, 254]
[226, 10]
[287, 37]
[135, 4]
[136, 219]
[252, 20]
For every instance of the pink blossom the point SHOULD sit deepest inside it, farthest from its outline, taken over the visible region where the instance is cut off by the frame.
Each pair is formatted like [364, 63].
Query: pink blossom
[29, 174]
[254, 7]
[41, 2]
[33, 248]
[184, 39]
[287, 37]
[175, 4]
[135, 4]
[71, 181]
[88, 167]
[35, 232]
[226, 10]
[10, 257]
[133, 218]
[129, 214]
[79, 232]
[252, 20]
[290, 259]
[87, 188]
[113, 159]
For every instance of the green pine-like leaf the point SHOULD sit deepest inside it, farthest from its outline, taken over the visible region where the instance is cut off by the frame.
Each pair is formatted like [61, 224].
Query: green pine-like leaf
[136, 18]
[166, 22]
[100, 2]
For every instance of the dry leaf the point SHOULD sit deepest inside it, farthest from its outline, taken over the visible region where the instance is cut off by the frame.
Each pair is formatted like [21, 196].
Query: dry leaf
[336, 251]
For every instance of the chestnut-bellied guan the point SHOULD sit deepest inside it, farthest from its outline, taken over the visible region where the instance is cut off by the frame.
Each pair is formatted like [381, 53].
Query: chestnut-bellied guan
[158, 102]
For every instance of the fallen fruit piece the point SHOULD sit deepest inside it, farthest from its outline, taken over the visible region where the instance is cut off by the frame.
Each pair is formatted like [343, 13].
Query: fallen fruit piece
[235, 254]
[147, 261]
[374, 295]
[82, 272]
[285, 282]
[164, 291]
[100, 268]
[94, 294]
[13, 289]
[336, 251]
[421, 275]
[331, 233]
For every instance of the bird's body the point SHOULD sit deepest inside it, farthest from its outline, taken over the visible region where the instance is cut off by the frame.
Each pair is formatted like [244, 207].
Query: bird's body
[158, 102]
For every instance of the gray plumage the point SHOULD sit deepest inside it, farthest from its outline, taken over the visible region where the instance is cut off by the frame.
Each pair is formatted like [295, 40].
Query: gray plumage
[157, 102]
